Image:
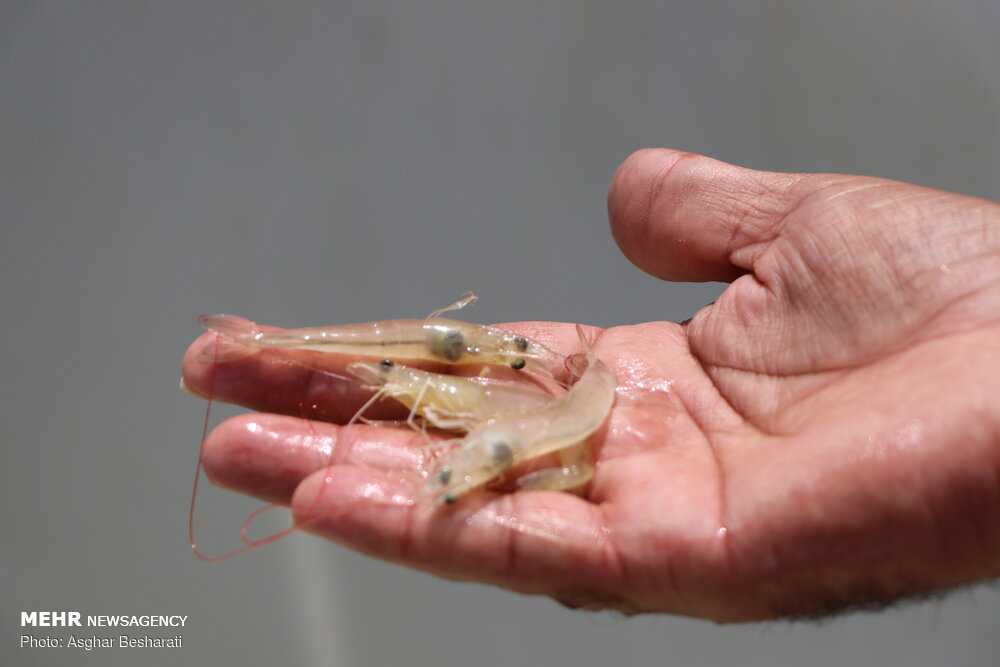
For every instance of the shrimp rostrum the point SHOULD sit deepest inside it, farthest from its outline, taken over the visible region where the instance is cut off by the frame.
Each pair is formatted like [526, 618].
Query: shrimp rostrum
[562, 426]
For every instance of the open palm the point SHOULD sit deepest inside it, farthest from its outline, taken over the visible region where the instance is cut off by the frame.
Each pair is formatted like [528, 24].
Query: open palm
[826, 434]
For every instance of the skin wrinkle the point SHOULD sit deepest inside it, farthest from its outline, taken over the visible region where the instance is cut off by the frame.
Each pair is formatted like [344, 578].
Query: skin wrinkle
[611, 551]
[696, 356]
[768, 221]
[839, 186]
[721, 521]
[653, 193]
[767, 271]
[821, 189]
[762, 290]
[886, 244]
[735, 231]
[746, 256]
[941, 314]
[887, 357]
[956, 245]
[776, 224]
[708, 366]
[820, 290]
[779, 410]
[810, 245]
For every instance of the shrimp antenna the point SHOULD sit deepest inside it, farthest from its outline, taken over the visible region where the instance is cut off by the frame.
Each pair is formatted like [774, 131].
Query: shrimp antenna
[587, 349]
[467, 299]
[248, 544]
[245, 528]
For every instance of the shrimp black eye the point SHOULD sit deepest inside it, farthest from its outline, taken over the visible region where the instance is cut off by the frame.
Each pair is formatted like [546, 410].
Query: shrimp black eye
[501, 451]
[387, 363]
[450, 499]
[444, 475]
[518, 364]
[521, 343]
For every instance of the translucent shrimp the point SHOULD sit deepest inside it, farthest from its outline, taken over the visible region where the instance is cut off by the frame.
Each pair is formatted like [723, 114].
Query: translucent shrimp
[433, 339]
[447, 401]
[562, 425]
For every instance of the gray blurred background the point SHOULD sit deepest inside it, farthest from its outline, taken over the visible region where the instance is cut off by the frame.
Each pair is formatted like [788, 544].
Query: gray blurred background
[315, 163]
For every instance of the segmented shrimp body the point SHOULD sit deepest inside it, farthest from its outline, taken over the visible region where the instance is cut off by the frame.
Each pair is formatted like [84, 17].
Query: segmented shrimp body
[506, 422]
[447, 401]
[497, 445]
[434, 339]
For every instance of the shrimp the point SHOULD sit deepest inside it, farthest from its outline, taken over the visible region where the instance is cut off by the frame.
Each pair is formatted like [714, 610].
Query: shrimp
[562, 425]
[447, 401]
[435, 339]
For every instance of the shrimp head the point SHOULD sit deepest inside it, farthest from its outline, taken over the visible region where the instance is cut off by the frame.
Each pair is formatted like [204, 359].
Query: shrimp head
[483, 456]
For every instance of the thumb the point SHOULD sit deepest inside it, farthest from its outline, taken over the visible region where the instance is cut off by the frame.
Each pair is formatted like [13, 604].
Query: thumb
[682, 216]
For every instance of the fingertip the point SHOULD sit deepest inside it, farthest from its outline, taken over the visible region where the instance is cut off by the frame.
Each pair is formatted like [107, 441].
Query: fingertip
[265, 456]
[366, 509]
[187, 390]
[633, 192]
[256, 452]
[195, 370]
[635, 175]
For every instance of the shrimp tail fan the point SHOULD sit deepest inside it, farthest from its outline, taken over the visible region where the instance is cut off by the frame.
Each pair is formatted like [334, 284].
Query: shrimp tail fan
[235, 340]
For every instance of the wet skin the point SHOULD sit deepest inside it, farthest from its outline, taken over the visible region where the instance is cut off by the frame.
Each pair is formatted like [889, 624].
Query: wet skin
[826, 434]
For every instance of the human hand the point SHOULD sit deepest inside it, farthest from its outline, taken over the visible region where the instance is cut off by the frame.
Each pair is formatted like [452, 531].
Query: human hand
[826, 434]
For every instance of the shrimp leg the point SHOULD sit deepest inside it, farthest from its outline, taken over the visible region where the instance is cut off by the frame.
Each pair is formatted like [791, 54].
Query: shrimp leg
[447, 401]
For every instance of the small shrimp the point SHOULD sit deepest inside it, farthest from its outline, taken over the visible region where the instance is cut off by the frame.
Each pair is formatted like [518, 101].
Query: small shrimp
[448, 401]
[435, 339]
[559, 426]
[445, 401]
